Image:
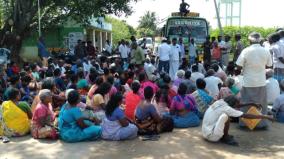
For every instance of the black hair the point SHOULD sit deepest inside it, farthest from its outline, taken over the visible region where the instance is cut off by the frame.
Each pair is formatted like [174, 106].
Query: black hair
[187, 75]
[200, 83]
[99, 81]
[194, 68]
[106, 71]
[273, 38]
[215, 67]
[14, 79]
[167, 79]
[135, 86]
[48, 84]
[13, 93]
[142, 77]
[26, 79]
[74, 78]
[148, 92]
[73, 97]
[113, 103]
[182, 89]
[49, 73]
[130, 74]
[110, 80]
[80, 73]
[103, 89]
[57, 72]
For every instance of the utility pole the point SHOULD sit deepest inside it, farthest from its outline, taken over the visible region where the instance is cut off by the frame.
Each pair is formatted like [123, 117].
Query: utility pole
[39, 18]
[218, 18]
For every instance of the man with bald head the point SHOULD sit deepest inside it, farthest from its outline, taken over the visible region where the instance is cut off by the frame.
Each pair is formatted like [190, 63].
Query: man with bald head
[253, 60]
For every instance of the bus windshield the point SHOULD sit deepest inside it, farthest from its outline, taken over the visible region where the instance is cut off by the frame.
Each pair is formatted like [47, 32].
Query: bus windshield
[188, 28]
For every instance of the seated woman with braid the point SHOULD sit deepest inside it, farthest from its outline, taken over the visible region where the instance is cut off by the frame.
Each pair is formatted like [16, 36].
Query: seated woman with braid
[147, 118]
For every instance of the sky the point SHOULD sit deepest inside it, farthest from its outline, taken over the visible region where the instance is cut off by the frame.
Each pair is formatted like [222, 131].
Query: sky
[254, 12]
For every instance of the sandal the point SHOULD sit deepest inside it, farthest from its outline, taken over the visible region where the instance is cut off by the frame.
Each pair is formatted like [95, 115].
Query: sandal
[230, 141]
[5, 139]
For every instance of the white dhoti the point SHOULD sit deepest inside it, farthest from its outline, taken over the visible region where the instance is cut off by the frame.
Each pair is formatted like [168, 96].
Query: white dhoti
[218, 130]
[174, 65]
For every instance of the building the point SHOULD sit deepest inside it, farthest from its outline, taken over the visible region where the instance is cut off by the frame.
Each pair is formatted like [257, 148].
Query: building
[64, 38]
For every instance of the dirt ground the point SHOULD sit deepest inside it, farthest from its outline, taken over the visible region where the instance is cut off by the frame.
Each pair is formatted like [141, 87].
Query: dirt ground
[181, 144]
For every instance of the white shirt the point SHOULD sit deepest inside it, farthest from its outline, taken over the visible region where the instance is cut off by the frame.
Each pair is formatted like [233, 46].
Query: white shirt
[175, 51]
[123, 49]
[192, 50]
[195, 76]
[164, 51]
[254, 59]
[272, 89]
[212, 83]
[108, 48]
[277, 51]
[213, 113]
[182, 50]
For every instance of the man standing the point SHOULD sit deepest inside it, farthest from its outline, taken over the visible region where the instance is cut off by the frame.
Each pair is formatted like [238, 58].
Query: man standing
[123, 50]
[175, 57]
[138, 56]
[226, 50]
[108, 47]
[164, 56]
[192, 52]
[44, 54]
[79, 50]
[254, 60]
[277, 51]
[239, 47]
[182, 48]
[91, 50]
[207, 50]
[221, 45]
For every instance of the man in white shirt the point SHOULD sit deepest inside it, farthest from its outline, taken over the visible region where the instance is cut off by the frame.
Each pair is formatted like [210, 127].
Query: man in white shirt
[149, 67]
[164, 57]
[182, 48]
[254, 60]
[195, 75]
[216, 120]
[272, 87]
[108, 47]
[123, 50]
[174, 59]
[227, 49]
[192, 51]
[213, 84]
[277, 51]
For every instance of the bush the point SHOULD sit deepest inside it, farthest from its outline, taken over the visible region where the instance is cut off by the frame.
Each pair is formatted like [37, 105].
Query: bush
[244, 31]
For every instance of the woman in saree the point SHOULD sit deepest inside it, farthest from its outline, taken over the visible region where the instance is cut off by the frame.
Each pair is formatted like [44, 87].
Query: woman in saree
[183, 109]
[42, 122]
[116, 126]
[147, 118]
[73, 126]
[14, 115]
[202, 98]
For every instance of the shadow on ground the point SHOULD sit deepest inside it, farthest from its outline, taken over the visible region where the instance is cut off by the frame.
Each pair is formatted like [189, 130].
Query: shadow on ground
[181, 144]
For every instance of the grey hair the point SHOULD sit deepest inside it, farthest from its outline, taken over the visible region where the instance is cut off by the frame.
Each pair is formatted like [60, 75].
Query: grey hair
[255, 37]
[229, 82]
[180, 73]
[43, 94]
[67, 92]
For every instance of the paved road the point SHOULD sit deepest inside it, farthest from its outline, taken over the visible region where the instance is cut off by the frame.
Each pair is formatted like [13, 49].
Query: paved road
[181, 144]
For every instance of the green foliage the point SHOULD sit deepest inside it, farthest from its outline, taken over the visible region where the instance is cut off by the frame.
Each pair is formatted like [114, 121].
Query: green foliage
[244, 31]
[120, 30]
[147, 24]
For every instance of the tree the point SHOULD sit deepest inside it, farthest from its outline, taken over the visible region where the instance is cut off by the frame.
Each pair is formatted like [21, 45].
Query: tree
[19, 17]
[120, 30]
[148, 24]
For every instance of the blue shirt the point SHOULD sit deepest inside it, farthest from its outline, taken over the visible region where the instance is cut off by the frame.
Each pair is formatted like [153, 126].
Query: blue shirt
[117, 114]
[142, 113]
[70, 114]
